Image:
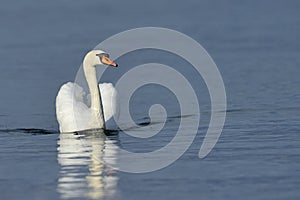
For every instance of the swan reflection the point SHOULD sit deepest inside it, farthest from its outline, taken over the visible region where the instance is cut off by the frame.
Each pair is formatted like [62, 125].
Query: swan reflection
[83, 172]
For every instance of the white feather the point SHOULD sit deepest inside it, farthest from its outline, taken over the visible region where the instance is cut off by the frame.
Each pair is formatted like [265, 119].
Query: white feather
[73, 114]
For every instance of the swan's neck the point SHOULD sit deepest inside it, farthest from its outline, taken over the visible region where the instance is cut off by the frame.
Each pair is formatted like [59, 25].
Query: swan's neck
[96, 103]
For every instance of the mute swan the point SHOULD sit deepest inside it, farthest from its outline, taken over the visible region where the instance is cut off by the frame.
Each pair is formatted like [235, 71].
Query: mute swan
[71, 111]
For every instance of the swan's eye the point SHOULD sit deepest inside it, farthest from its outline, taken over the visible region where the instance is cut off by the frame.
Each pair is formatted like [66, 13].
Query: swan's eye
[103, 57]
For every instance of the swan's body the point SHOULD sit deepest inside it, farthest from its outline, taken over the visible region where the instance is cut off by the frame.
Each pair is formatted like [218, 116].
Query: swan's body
[73, 114]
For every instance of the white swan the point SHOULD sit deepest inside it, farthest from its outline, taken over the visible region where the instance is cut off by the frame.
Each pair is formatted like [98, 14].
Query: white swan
[75, 115]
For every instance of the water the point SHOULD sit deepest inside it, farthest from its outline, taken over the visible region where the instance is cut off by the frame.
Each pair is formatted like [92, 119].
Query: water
[256, 47]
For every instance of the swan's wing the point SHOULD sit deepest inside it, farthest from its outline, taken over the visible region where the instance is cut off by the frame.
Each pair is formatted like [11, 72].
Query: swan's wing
[71, 111]
[109, 96]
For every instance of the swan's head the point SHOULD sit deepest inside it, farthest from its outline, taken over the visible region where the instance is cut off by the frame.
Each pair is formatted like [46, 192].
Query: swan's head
[99, 57]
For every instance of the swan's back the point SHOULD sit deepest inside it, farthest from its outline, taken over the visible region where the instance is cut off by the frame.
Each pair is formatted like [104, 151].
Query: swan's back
[72, 112]
[109, 96]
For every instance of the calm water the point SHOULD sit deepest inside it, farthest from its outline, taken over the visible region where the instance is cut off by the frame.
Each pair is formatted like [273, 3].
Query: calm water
[256, 47]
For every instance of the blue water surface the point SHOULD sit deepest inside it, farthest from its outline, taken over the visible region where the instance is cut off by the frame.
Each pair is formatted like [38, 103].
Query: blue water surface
[256, 47]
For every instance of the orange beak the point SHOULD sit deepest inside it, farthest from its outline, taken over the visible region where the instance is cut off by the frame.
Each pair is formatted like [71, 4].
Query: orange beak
[108, 62]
